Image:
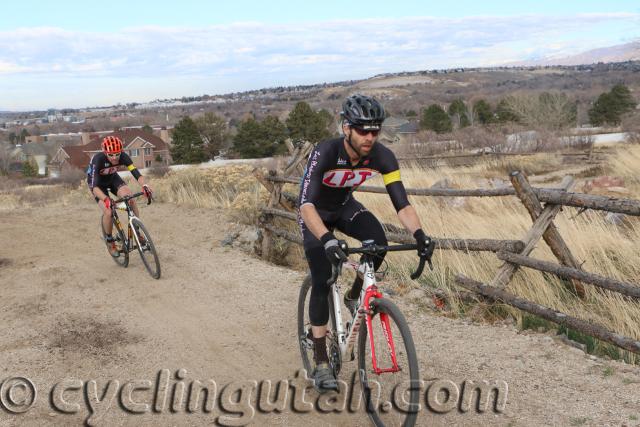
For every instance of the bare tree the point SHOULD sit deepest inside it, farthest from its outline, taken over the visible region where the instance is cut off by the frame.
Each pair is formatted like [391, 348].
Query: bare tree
[548, 110]
[5, 157]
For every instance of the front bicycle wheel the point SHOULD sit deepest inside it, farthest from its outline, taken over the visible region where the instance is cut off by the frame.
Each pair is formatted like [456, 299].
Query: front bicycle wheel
[146, 248]
[305, 338]
[122, 259]
[391, 395]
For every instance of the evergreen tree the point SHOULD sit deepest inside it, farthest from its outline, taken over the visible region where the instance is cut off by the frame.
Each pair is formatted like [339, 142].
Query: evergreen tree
[274, 133]
[504, 113]
[436, 119]
[304, 123]
[482, 111]
[260, 139]
[29, 168]
[246, 141]
[623, 98]
[328, 123]
[611, 106]
[187, 144]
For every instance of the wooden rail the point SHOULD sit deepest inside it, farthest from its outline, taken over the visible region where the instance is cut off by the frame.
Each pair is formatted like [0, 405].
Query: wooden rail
[465, 245]
[437, 192]
[572, 273]
[583, 326]
[545, 195]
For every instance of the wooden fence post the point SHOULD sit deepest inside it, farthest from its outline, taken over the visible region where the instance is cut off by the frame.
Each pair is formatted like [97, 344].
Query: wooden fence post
[540, 225]
[298, 155]
[551, 235]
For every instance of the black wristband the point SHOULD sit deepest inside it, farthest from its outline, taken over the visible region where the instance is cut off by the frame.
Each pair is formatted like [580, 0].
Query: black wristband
[419, 234]
[326, 237]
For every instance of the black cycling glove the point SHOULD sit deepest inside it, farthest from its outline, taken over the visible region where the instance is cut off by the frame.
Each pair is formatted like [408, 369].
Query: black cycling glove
[426, 245]
[333, 248]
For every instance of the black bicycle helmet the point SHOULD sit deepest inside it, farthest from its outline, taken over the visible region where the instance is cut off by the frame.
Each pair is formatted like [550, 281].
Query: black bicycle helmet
[363, 111]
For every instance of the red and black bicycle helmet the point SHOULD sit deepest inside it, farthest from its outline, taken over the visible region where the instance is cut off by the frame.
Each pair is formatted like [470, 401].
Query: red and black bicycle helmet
[111, 145]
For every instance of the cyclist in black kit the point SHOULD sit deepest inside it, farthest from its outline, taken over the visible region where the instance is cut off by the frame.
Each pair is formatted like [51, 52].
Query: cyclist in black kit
[334, 169]
[102, 176]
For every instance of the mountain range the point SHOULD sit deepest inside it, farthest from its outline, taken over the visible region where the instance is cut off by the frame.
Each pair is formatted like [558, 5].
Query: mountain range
[617, 53]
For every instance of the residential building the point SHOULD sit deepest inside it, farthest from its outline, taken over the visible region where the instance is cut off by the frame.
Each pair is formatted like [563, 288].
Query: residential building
[145, 150]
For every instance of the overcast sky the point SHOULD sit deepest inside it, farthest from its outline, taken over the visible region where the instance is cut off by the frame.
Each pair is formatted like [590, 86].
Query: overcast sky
[76, 54]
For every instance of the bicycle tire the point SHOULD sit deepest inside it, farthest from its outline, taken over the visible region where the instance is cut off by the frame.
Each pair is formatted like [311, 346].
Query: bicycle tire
[123, 259]
[379, 411]
[304, 325]
[148, 253]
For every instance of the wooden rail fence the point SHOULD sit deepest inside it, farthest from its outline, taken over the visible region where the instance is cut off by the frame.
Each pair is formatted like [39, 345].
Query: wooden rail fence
[542, 204]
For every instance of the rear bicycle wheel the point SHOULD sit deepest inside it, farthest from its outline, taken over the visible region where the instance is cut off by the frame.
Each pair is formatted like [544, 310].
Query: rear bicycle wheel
[146, 250]
[305, 338]
[118, 234]
[390, 398]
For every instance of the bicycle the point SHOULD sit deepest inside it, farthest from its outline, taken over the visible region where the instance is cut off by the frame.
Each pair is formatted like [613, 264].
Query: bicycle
[393, 328]
[130, 241]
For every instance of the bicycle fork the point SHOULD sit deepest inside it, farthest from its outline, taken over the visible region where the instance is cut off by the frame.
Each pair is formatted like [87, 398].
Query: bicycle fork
[386, 330]
[347, 340]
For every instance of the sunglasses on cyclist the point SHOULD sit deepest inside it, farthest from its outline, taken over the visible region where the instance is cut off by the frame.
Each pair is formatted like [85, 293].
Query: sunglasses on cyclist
[113, 155]
[365, 132]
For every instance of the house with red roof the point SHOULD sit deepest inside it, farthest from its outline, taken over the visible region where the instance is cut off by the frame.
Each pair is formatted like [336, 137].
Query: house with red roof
[146, 150]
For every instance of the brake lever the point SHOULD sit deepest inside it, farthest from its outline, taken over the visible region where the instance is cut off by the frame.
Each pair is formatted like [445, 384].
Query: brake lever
[335, 272]
[418, 271]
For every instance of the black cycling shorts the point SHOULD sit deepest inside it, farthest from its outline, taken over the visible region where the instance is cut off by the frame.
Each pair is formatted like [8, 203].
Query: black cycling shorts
[114, 186]
[355, 221]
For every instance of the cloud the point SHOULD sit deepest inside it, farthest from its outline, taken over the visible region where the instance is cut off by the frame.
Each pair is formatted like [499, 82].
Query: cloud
[153, 50]
[251, 50]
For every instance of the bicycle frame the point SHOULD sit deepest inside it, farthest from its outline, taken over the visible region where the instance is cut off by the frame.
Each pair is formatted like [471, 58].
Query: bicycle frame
[347, 339]
[123, 205]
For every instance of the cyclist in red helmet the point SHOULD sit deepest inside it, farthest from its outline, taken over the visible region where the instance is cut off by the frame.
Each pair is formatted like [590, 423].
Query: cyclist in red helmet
[102, 177]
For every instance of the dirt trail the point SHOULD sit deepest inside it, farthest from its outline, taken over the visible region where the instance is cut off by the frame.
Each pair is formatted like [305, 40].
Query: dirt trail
[68, 312]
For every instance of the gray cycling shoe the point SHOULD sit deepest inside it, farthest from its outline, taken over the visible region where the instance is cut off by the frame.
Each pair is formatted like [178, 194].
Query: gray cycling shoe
[323, 379]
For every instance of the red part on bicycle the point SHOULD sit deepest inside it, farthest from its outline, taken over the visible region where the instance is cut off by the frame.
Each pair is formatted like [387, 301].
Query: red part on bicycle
[386, 328]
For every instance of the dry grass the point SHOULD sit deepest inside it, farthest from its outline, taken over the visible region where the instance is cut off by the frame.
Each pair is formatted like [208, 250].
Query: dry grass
[604, 248]
[231, 187]
[20, 194]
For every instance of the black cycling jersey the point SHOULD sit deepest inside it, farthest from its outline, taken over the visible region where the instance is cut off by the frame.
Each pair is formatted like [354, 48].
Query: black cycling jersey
[330, 178]
[101, 172]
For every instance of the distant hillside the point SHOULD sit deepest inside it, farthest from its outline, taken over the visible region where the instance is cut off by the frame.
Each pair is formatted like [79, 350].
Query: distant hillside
[617, 53]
